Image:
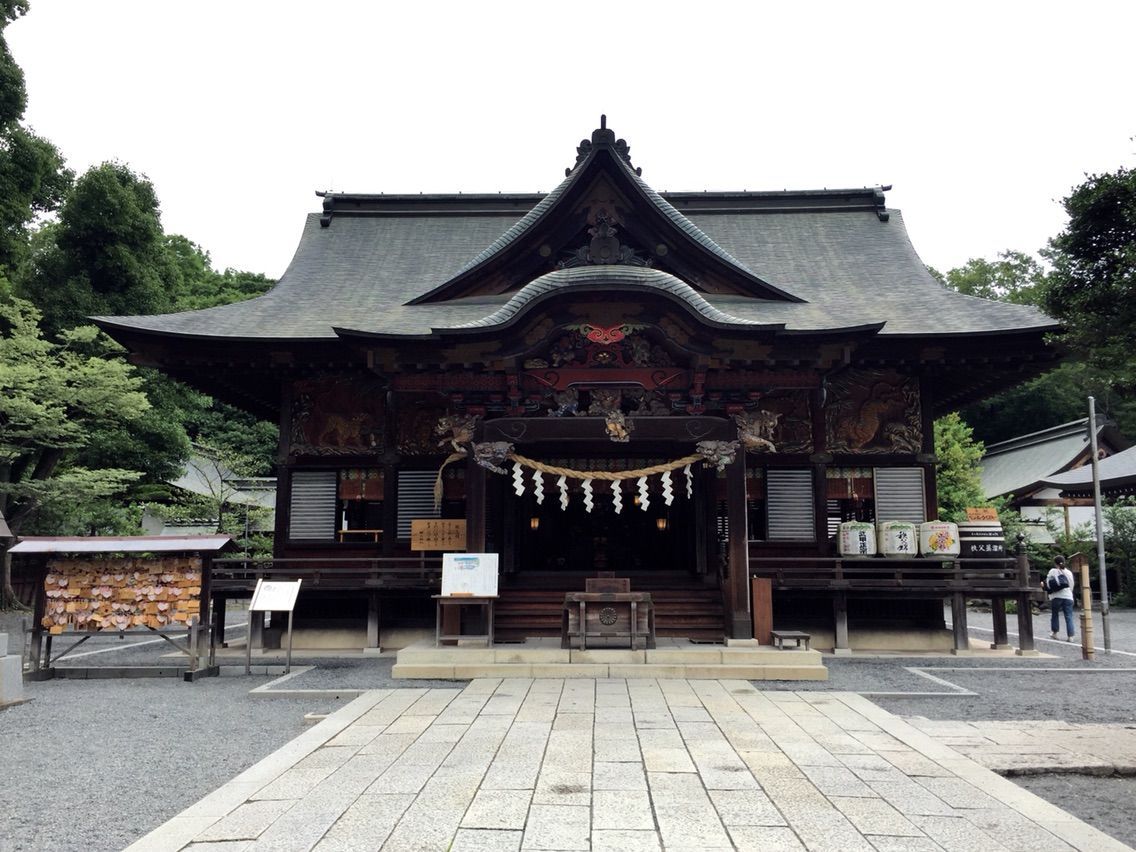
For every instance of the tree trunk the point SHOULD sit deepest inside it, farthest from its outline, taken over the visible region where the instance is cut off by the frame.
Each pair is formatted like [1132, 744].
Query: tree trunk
[8, 599]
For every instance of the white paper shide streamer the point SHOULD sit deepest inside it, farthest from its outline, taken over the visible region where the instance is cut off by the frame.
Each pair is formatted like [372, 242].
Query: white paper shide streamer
[668, 491]
[588, 504]
[644, 496]
[563, 483]
[689, 481]
[538, 487]
[518, 479]
[616, 496]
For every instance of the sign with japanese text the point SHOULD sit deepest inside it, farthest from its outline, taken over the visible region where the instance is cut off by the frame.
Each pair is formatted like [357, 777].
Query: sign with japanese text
[469, 575]
[437, 534]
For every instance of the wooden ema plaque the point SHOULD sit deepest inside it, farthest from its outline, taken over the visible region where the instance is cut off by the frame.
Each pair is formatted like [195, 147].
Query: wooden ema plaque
[437, 534]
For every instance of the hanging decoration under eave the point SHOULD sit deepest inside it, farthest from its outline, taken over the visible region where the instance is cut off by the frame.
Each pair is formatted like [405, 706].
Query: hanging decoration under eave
[493, 455]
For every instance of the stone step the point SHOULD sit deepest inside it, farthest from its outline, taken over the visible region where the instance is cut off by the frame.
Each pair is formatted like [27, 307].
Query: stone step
[468, 671]
[423, 660]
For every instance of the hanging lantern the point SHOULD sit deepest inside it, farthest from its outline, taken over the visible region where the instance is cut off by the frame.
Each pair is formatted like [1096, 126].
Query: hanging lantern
[661, 524]
[534, 522]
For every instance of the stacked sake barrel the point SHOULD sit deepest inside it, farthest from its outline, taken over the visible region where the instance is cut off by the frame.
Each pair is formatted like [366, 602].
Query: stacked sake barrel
[898, 539]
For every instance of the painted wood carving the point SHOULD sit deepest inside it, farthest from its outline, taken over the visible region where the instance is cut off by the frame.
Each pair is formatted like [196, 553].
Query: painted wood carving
[334, 416]
[873, 411]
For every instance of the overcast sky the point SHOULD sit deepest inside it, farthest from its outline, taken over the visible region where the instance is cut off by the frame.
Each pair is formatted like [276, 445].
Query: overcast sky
[982, 115]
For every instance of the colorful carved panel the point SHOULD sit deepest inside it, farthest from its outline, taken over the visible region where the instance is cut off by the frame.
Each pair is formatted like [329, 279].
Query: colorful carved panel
[873, 411]
[336, 415]
[601, 345]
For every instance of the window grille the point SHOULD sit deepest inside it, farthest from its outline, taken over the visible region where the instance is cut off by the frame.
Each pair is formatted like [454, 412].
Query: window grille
[900, 495]
[313, 505]
[789, 497]
[415, 498]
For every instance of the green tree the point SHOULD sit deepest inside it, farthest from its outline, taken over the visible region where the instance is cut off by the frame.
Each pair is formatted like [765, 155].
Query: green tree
[53, 395]
[107, 254]
[1093, 286]
[1120, 545]
[1014, 277]
[201, 286]
[33, 177]
[957, 471]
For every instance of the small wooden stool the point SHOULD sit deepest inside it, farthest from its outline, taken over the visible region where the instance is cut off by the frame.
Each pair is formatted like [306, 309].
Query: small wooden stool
[779, 637]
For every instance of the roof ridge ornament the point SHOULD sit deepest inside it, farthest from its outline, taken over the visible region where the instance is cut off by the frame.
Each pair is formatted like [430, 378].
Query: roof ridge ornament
[604, 247]
[603, 137]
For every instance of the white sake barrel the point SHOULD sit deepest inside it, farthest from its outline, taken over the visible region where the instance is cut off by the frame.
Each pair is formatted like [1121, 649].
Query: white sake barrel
[897, 538]
[856, 538]
[938, 538]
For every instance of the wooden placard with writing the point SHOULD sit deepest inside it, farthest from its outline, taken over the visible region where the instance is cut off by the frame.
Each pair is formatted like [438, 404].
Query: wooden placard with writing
[982, 513]
[437, 534]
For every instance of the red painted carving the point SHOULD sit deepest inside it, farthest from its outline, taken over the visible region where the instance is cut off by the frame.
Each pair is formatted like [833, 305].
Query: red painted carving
[604, 336]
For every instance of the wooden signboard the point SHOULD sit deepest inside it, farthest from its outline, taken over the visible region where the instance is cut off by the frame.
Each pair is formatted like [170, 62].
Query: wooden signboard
[437, 534]
[983, 513]
[469, 575]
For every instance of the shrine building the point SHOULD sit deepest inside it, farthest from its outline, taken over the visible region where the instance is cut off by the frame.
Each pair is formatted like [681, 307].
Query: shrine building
[687, 389]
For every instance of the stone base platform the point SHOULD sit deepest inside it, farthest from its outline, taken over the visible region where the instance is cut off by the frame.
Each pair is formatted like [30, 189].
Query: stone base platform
[544, 658]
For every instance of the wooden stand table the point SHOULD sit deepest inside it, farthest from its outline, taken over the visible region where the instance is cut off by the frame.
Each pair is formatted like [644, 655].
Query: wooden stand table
[460, 601]
[602, 615]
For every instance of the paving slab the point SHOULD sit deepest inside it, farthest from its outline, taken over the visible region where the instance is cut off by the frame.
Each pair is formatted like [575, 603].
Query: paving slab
[629, 764]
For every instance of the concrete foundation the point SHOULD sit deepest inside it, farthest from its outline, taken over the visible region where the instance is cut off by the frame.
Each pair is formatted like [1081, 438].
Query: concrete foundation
[11, 675]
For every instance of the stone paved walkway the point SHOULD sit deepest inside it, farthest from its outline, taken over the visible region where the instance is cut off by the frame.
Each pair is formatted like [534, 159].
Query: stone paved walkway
[1039, 747]
[619, 765]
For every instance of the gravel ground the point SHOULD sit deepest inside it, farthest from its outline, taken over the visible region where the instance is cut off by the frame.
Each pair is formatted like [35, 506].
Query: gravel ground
[94, 764]
[1104, 803]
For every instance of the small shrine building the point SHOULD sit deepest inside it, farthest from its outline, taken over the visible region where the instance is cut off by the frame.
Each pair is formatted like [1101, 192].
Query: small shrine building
[686, 388]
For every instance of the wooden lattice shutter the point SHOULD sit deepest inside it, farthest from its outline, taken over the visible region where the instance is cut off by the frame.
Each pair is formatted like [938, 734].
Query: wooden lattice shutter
[415, 498]
[313, 505]
[899, 494]
[789, 495]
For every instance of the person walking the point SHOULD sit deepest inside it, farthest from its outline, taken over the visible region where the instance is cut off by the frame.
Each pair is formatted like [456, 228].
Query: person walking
[1059, 586]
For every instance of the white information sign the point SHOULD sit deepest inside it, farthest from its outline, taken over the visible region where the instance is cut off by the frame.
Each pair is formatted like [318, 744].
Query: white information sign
[275, 595]
[469, 575]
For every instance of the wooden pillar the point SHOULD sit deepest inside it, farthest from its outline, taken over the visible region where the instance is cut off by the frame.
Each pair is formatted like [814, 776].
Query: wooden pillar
[762, 610]
[373, 619]
[1001, 635]
[737, 582]
[475, 505]
[283, 472]
[840, 623]
[220, 603]
[1025, 603]
[958, 620]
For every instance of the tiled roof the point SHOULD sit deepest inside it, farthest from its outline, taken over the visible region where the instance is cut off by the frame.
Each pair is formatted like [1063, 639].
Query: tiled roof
[627, 278]
[1116, 471]
[846, 264]
[1010, 466]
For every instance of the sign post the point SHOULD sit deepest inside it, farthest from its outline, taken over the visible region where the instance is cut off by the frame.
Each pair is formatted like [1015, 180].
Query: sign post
[272, 596]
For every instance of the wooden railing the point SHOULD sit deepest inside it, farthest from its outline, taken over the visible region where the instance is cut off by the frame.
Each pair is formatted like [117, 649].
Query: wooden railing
[389, 572]
[892, 575]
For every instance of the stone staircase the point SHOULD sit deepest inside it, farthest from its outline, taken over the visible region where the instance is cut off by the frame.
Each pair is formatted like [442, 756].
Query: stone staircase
[681, 608]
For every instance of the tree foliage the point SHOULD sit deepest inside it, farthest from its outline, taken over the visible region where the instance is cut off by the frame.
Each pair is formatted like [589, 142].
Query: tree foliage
[958, 476]
[1014, 277]
[1093, 286]
[53, 396]
[33, 177]
[107, 255]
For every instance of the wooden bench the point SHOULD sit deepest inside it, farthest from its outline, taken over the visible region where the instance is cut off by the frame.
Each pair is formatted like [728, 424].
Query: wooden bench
[779, 637]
